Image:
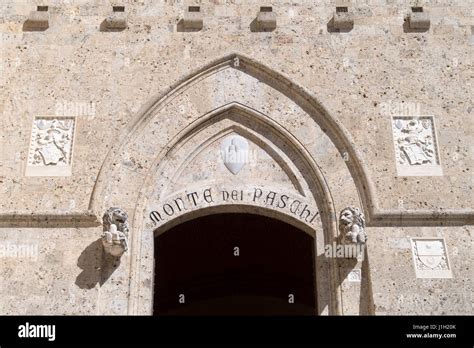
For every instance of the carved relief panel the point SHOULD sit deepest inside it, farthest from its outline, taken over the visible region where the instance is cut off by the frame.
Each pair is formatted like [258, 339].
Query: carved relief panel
[51, 145]
[430, 256]
[416, 148]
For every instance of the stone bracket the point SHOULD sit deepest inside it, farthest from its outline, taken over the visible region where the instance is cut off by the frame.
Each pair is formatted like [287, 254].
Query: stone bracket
[193, 18]
[266, 19]
[418, 19]
[343, 19]
[117, 20]
[37, 20]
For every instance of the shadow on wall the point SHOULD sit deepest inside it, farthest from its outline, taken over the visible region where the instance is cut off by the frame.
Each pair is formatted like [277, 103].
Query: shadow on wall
[322, 301]
[332, 29]
[96, 266]
[364, 296]
[104, 28]
[343, 270]
[180, 28]
[407, 29]
[366, 304]
[29, 26]
[254, 28]
[345, 265]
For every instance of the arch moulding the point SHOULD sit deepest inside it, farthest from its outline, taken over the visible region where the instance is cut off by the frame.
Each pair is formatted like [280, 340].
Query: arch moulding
[169, 152]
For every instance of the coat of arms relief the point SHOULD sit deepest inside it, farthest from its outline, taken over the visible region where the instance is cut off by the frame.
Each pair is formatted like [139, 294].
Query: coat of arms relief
[415, 141]
[51, 144]
[431, 258]
[416, 151]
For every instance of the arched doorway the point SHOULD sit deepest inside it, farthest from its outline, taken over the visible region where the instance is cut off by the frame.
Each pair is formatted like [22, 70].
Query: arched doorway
[234, 264]
[305, 170]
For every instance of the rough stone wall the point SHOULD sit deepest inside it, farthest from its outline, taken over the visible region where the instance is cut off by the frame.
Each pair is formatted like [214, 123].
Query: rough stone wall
[398, 291]
[106, 78]
[60, 274]
[352, 74]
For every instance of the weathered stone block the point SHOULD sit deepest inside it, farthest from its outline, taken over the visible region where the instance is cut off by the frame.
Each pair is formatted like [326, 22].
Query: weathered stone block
[343, 19]
[418, 19]
[266, 19]
[117, 20]
[38, 20]
[294, 125]
[193, 18]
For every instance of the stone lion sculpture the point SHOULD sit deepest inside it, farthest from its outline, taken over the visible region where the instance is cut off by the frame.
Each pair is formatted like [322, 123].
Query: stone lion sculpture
[116, 229]
[352, 225]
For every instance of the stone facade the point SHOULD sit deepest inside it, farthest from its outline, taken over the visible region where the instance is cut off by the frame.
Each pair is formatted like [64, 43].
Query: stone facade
[146, 108]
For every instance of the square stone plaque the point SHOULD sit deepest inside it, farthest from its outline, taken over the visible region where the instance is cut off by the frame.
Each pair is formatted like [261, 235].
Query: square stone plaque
[416, 146]
[51, 146]
[430, 257]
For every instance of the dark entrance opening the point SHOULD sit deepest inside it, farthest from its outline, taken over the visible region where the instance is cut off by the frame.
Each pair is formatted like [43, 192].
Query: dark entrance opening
[196, 263]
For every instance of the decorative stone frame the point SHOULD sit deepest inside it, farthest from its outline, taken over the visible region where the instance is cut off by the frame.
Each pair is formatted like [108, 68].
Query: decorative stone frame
[422, 169]
[441, 272]
[55, 169]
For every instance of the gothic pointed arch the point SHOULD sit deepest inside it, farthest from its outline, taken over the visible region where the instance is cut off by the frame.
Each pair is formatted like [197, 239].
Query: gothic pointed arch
[301, 97]
[170, 149]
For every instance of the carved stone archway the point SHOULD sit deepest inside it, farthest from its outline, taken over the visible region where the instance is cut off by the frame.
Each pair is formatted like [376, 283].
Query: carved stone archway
[163, 156]
[304, 201]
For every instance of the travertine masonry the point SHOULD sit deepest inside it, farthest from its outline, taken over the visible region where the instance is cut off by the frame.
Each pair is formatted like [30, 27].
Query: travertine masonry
[150, 103]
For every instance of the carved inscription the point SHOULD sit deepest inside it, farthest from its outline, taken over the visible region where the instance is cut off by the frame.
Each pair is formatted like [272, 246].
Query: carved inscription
[255, 196]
